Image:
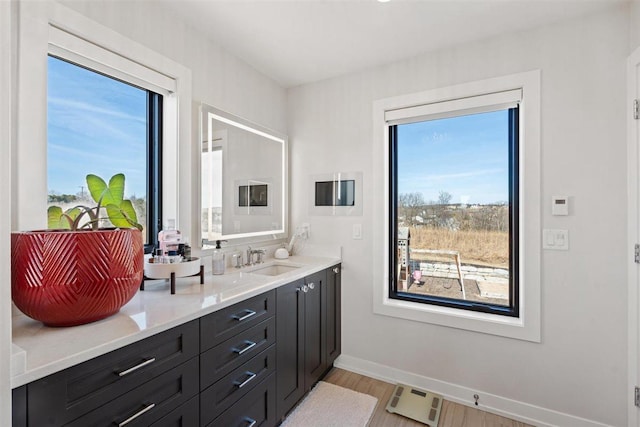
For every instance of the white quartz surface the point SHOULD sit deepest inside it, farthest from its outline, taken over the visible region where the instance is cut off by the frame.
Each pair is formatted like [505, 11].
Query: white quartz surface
[49, 350]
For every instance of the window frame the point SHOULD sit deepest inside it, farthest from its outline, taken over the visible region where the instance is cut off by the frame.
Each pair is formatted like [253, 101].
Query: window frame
[526, 326]
[513, 308]
[46, 27]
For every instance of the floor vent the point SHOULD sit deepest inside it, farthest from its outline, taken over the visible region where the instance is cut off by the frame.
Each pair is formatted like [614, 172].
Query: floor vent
[419, 405]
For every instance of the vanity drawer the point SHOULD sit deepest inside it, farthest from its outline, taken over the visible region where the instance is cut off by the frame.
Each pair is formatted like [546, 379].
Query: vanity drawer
[224, 393]
[224, 358]
[147, 403]
[256, 409]
[222, 325]
[183, 416]
[68, 394]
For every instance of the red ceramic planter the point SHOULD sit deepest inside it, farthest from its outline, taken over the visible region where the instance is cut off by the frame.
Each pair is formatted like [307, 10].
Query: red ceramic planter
[68, 278]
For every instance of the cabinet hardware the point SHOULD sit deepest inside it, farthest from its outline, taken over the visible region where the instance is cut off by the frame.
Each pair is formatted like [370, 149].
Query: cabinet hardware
[251, 422]
[336, 270]
[303, 288]
[249, 314]
[250, 345]
[135, 368]
[137, 414]
[248, 380]
[312, 285]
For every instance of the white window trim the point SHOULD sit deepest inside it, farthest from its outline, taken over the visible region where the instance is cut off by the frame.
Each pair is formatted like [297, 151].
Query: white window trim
[48, 27]
[527, 325]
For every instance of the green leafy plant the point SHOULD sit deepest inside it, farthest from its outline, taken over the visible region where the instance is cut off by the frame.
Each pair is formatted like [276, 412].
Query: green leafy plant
[110, 196]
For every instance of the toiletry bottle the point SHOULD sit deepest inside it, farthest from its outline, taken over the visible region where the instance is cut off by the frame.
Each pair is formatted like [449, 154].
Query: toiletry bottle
[218, 259]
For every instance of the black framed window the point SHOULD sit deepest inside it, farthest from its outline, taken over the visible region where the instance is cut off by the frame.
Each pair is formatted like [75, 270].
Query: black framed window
[103, 125]
[453, 210]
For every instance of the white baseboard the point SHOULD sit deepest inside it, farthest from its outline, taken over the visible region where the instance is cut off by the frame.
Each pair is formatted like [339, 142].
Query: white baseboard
[498, 405]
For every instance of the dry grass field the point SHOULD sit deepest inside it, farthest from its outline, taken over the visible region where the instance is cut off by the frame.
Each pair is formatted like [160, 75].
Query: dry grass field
[475, 247]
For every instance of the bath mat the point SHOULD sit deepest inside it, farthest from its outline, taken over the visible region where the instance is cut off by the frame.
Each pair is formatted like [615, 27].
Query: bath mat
[329, 405]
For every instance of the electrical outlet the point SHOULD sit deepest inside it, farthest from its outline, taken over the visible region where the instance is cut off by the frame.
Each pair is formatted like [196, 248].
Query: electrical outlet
[304, 231]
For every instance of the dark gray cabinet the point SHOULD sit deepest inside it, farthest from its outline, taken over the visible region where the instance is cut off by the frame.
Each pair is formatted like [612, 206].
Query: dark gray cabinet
[239, 356]
[307, 325]
[247, 364]
[116, 386]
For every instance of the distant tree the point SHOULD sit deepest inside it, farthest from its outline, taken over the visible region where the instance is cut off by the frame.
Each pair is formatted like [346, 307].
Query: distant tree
[62, 198]
[410, 205]
[444, 198]
[443, 215]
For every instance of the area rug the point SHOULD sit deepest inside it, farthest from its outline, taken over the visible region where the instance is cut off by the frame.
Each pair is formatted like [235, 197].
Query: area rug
[329, 405]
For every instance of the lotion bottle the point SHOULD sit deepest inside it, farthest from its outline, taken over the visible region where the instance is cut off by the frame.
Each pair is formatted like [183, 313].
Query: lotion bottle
[218, 259]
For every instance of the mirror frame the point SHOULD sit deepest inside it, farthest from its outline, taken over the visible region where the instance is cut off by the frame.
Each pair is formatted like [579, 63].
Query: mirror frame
[205, 111]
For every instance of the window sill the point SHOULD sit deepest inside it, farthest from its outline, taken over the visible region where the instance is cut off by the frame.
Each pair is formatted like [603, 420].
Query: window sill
[493, 324]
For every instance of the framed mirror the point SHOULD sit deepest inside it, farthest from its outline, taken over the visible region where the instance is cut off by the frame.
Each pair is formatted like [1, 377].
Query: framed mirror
[243, 178]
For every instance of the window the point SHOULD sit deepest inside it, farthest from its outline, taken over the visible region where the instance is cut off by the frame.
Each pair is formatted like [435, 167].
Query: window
[453, 215]
[101, 125]
[457, 202]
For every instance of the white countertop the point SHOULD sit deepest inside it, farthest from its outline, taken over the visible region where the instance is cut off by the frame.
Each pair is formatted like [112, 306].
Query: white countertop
[49, 350]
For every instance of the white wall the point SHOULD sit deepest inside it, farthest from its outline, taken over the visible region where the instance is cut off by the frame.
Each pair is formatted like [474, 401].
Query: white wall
[634, 17]
[579, 368]
[7, 74]
[219, 78]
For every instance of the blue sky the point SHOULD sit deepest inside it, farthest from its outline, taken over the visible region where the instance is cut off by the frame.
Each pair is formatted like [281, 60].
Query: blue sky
[95, 125]
[466, 156]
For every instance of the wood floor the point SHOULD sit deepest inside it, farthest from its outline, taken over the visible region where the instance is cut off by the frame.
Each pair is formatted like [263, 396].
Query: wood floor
[451, 415]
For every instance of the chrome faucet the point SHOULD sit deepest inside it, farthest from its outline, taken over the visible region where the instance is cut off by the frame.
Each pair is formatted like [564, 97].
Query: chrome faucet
[251, 253]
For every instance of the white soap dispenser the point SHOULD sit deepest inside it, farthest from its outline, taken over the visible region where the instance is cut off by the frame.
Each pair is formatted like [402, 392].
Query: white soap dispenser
[218, 259]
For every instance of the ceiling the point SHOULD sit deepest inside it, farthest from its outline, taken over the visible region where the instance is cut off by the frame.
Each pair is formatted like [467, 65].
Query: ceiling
[301, 41]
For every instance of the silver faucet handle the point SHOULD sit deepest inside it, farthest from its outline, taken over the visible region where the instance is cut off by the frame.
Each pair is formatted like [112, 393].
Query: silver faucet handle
[238, 258]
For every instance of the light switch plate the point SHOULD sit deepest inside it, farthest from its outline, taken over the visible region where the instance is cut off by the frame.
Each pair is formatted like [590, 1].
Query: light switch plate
[357, 232]
[557, 240]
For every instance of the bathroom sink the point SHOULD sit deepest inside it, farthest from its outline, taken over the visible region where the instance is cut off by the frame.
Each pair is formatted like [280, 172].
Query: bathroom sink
[274, 269]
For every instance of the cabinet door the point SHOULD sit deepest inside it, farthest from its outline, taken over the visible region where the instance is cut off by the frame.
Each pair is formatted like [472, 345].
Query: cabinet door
[315, 327]
[334, 324]
[19, 406]
[290, 346]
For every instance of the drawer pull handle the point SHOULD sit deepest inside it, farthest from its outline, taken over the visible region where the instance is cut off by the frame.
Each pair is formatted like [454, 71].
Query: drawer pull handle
[336, 270]
[249, 314]
[312, 285]
[137, 414]
[248, 380]
[250, 345]
[304, 289]
[251, 422]
[135, 368]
